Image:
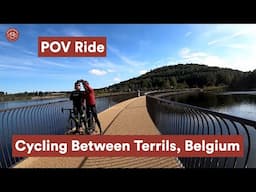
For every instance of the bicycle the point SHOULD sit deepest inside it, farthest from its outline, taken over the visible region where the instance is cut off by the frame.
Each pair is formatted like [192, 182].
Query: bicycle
[72, 129]
[85, 128]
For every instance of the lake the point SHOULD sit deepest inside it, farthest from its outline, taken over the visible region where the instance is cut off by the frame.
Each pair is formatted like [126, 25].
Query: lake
[102, 103]
[240, 104]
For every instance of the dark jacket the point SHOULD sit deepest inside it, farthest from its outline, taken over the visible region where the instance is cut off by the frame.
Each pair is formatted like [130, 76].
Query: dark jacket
[78, 98]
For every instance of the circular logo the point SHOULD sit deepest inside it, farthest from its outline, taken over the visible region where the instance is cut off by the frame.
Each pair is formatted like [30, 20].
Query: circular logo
[12, 34]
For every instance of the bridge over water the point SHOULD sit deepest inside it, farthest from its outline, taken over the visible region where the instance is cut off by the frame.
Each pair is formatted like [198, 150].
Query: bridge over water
[145, 115]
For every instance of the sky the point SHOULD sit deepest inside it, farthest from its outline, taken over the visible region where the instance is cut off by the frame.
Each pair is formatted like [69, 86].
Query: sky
[132, 50]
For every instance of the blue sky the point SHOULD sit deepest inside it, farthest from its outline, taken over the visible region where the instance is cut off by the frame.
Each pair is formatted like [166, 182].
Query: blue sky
[132, 49]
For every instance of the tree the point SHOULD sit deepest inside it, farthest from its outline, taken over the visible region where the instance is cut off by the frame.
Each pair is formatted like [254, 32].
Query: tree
[40, 93]
[167, 84]
[146, 84]
[191, 75]
[211, 79]
[173, 82]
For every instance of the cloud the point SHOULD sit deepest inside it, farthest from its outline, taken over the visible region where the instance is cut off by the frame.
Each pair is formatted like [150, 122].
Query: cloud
[130, 61]
[29, 52]
[188, 34]
[224, 30]
[237, 34]
[141, 72]
[241, 62]
[16, 49]
[30, 61]
[110, 70]
[236, 46]
[213, 60]
[116, 79]
[97, 72]
[5, 44]
[16, 61]
[16, 67]
[105, 64]
[222, 39]
[126, 59]
[213, 42]
[184, 52]
[47, 62]
[189, 56]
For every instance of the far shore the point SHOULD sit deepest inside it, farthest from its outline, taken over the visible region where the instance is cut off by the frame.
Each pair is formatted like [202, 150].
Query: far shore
[56, 96]
[4, 98]
[47, 97]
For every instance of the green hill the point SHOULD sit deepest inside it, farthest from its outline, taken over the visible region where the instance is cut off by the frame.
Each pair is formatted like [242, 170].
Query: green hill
[187, 76]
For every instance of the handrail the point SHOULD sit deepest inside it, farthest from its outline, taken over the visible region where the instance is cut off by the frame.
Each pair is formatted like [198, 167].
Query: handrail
[46, 118]
[234, 118]
[172, 117]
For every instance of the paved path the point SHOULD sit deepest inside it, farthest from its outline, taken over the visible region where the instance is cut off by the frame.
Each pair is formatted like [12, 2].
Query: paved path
[127, 118]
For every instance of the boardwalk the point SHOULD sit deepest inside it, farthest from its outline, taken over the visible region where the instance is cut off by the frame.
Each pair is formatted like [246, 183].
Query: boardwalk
[127, 118]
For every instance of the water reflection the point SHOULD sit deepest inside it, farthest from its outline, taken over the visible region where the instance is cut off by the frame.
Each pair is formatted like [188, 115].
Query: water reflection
[102, 102]
[173, 119]
[14, 104]
[241, 104]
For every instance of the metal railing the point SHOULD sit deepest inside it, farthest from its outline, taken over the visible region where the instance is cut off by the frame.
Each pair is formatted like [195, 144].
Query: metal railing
[41, 119]
[35, 119]
[180, 119]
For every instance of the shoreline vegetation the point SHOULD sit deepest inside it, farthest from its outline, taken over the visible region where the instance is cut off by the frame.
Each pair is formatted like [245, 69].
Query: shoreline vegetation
[48, 96]
[30, 96]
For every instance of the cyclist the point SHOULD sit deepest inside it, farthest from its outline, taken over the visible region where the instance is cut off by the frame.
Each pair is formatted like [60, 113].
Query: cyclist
[78, 97]
[91, 103]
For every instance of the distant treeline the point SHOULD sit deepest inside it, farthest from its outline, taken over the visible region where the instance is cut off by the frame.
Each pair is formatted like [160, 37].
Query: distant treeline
[187, 76]
[4, 96]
